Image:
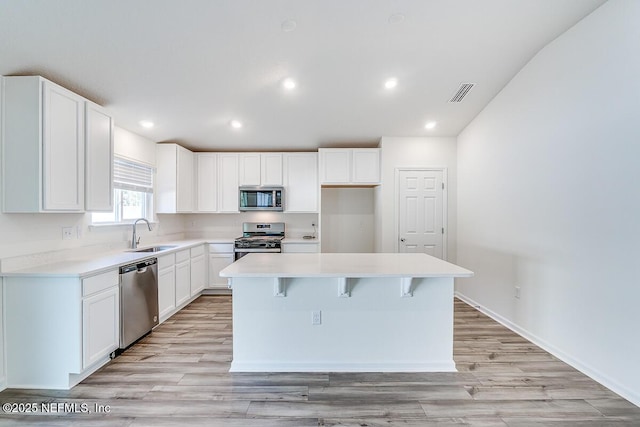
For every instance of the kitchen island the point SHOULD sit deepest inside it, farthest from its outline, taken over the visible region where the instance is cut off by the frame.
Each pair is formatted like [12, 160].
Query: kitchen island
[342, 312]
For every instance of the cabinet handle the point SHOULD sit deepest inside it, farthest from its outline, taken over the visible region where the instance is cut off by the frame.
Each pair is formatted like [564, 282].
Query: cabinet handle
[402, 240]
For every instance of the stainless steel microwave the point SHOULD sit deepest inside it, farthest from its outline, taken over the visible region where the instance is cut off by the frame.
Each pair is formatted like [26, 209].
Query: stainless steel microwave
[261, 198]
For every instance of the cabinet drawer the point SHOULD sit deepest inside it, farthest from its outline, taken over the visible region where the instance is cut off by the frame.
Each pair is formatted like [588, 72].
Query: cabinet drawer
[182, 256]
[166, 261]
[100, 282]
[220, 248]
[198, 250]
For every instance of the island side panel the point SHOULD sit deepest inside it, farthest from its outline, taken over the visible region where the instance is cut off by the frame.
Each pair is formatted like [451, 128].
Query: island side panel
[375, 329]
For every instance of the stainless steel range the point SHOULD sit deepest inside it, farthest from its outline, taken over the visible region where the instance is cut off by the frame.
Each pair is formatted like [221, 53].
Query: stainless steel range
[259, 237]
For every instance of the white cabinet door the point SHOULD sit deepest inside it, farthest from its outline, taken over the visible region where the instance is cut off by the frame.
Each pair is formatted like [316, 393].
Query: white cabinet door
[218, 261]
[301, 182]
[99, 158]
[260, 169]
[43, 147]
[366, 166]
[184, 195]
[198, 270]
[271, 169]
[227, 182]
[183, 282]
[174, 179]
[166, 292]
[249, 169]
[335, 166]
[349, 166]
[63, 149]
[100, 325]
[206, 182]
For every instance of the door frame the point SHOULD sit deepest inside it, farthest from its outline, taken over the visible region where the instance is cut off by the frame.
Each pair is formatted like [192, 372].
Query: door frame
[445, 203]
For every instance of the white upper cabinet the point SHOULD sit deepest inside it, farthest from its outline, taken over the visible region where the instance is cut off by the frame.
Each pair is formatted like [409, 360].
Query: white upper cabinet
[43, 147]
[249, 169]
[301, 182]
[271, 169]
[365, 163]
[349, 166]
[174, 179]
[227, 182]
[206, 182]
[98, 158]
[260, 169]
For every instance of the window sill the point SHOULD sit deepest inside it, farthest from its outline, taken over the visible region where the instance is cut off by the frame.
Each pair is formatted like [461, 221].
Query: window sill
[103, 225]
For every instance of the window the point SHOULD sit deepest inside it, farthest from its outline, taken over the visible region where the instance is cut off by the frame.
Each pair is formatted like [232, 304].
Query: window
[132, 193]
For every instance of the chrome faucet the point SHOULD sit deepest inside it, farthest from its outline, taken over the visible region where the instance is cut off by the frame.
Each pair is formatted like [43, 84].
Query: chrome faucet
[134, 241]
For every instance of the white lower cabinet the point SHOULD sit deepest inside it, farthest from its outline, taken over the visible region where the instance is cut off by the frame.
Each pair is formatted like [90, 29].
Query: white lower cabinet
[100, 325]
[198, 270]
[73, 326]
[100, 316]
[220, 256]
[166, 286]
[183, 277]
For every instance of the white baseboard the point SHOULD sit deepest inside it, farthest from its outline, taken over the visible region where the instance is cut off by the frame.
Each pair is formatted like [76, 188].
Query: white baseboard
[342, 367]
[631, 395]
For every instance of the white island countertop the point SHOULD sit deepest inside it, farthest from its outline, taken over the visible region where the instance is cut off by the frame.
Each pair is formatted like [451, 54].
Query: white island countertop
[352, 265]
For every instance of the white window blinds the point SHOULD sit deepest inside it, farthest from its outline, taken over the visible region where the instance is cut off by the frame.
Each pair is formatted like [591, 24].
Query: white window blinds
[128, 175]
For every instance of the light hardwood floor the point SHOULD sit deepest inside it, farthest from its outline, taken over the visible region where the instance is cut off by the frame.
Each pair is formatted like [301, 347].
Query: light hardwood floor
[178, 376]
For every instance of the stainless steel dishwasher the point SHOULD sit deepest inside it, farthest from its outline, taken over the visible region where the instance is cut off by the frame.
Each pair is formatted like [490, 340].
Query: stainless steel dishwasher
[138, 300]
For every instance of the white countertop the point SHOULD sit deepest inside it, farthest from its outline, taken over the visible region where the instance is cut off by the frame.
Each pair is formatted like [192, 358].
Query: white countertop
[97, 263]
[342, 265]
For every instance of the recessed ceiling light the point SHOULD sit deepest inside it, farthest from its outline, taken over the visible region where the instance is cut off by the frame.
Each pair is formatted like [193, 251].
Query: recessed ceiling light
[236, 124]
[288, 25]
[396, 18]
[146, 124]
[289, 84]
[391, 83]
[430, 125]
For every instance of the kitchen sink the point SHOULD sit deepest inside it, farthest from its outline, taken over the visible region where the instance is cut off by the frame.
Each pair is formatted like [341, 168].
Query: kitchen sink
[155, 248]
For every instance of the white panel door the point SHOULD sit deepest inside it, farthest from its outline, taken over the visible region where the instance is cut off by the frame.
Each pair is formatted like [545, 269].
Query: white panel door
[99, 158]
[63, 143]
[207, 182]
[271, 169]
[228, 182]
[421, 212]
[249, 169]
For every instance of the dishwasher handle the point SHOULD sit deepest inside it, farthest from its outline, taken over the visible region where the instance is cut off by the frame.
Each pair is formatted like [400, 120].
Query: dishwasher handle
[139, 267]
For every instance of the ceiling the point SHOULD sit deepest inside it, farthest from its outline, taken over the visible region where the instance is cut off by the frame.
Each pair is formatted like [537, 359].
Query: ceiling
[192, 66]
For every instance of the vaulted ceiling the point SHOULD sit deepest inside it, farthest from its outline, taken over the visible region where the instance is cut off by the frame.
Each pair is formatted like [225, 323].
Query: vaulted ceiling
[193, 66]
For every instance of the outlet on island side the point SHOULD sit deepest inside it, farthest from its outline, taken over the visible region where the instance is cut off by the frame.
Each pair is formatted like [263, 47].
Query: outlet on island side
[517, 294]
[316, 317]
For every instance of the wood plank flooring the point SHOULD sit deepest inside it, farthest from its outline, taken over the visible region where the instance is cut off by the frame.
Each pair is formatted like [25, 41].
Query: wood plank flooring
[178, 376]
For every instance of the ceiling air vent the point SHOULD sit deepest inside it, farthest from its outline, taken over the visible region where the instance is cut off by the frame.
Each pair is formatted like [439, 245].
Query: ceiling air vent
[463, 90]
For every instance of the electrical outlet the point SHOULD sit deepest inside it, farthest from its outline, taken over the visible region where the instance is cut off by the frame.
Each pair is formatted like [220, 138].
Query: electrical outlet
[316, 317]
[67, 233]
[517, 292]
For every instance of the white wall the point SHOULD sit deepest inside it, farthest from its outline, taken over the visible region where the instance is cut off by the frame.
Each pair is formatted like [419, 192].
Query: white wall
[549, 198]
[230, 225]
[413, 152]
[347, 220]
